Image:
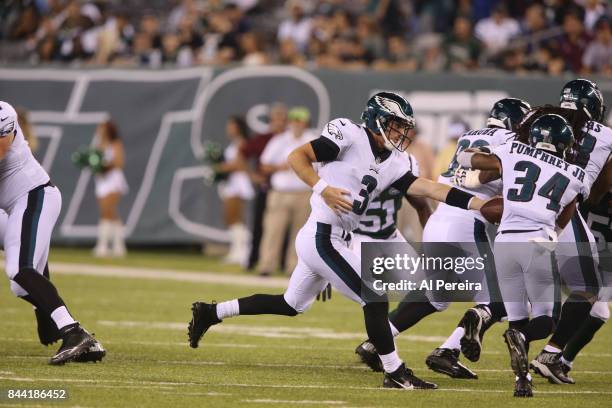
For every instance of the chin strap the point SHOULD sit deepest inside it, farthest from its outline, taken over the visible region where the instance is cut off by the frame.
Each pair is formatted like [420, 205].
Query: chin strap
[388, 144]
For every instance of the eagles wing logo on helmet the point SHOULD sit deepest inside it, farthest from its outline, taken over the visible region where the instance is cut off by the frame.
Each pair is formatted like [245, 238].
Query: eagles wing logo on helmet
[7, 128]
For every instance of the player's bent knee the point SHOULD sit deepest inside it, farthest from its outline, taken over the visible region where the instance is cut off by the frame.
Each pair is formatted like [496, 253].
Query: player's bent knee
[601, 310]
[293, 307]
[17, 290]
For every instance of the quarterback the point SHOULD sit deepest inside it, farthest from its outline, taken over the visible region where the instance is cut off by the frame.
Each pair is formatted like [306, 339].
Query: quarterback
[357, 162]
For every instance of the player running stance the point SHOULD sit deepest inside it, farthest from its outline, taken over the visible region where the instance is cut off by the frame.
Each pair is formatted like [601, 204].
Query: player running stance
[577, 255]
[454, 225]
[358, 162]
[33, 204]
[538, 184]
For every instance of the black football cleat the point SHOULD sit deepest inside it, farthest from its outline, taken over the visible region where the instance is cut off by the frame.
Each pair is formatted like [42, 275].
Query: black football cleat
[405, 379]
[94, 354]
[204, 315]
[474, 321]
[75, 342]
[368, 355]
[48, 333]
[518, 352]
[446, 361]
[523, 388]
[566, 369]
[549, 366]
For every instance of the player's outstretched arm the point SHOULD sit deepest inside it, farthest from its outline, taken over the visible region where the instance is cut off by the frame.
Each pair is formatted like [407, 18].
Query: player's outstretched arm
[422, 207]
[422, 187]
[301, 160]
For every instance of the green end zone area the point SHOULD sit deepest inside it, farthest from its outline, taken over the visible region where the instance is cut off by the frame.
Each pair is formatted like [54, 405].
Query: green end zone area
[248, 361]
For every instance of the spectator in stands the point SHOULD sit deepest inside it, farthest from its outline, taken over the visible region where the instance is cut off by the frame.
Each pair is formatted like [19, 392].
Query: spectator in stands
[574, 41]
[252, 49]
[175, 54]
[110, 187]
[370, 38]
[288, 54]
[461, 47]
[593, 11]
[115, 40]
[288, 204]
[495, 32]
[251, 152]
[431, 55]
[150, 26]
[398, 56]
[297, 27]
[234, 190]
[598, 56]
[26, 24]
[189, 35]
[389, 15]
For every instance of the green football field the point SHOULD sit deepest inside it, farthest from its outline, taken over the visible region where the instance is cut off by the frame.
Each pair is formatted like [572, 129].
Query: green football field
[140, 314]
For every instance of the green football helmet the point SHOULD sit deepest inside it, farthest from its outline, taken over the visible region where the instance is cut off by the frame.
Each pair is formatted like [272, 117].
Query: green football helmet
[585, 95]
[386, 112]
[507, 113]
[551, 133]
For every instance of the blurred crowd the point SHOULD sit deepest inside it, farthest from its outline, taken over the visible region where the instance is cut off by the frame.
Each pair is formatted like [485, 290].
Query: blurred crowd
[550, 36]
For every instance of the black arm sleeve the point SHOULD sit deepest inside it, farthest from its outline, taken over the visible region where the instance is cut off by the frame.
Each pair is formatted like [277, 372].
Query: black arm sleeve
[403, 183]
[324, 149]
[458, 198]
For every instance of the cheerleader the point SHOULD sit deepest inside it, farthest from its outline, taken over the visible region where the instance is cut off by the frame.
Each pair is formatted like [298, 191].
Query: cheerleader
[110, 187]
[234, 190]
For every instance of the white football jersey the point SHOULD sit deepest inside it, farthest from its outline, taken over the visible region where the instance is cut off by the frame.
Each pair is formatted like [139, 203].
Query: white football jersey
[356, 170]
[486, 137]
[20, 172]
[595, 150]
[536, 186]
[380, 219]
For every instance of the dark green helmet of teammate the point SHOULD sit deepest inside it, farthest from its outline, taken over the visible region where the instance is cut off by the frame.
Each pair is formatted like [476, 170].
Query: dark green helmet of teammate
[386, 111]
[582, 94]
[507, 113]
[553, 133]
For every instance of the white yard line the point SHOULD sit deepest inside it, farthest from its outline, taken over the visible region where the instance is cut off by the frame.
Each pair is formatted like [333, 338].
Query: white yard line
[64, 268]
[284, 386]
[301, 402]
[265, 331]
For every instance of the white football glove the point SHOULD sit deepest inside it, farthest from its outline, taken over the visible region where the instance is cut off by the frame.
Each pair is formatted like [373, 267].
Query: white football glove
[466, 178]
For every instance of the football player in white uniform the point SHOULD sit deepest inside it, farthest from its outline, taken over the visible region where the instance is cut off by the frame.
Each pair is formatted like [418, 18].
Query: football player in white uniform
[466, 228]
[358, 162]
[33, 204]
[578, 263]
[538, 184]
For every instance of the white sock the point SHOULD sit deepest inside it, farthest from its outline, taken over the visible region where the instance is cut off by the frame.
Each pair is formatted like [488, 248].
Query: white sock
[566, 362]
[61, 317]
[453, 341]
[551, 349]
[391, 361]
[394, 330]
[228, 309]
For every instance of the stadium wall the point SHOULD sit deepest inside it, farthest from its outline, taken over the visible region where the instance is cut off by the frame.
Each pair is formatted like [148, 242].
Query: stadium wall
[166, 116]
